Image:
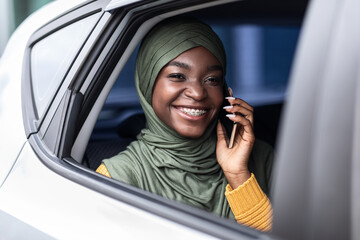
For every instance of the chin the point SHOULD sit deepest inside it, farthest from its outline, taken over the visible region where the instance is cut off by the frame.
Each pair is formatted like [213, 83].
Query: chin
[191, 134]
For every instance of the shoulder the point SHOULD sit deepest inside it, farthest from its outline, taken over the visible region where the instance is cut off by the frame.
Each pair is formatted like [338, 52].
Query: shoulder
[122, 168]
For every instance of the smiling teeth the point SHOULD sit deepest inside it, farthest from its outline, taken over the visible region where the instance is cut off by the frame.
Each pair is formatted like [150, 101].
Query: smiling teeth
[193, 112]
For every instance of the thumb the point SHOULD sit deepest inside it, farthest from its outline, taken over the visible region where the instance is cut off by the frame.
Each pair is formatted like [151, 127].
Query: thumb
[222, 138]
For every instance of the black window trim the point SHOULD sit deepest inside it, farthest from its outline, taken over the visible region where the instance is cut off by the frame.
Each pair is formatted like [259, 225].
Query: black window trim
[32, 121]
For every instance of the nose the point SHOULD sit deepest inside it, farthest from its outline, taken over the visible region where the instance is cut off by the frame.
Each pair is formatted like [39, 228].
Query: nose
[196, 91]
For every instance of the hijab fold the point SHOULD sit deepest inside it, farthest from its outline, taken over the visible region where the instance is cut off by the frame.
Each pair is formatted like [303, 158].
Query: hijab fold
[162, 161]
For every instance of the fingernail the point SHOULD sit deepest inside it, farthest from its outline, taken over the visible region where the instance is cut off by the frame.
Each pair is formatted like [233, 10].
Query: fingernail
[231, 98]
[228, 107]
[230, 115]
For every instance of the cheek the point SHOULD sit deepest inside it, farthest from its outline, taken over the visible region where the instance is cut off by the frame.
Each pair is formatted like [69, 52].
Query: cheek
[157, 97]
[161, 99]
[218, 98]
[158, 93]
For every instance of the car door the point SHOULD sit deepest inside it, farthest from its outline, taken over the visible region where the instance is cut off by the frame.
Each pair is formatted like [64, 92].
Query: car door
[48, 193]
[317, 175]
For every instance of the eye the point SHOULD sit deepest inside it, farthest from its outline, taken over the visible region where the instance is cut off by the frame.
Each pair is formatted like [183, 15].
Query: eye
[176, 76]
[213, 80]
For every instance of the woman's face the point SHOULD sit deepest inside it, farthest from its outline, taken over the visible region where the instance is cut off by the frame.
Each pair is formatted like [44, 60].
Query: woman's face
[188, 92]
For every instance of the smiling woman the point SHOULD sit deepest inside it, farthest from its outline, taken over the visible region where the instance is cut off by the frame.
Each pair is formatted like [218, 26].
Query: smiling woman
[194, 92]
[182, 152]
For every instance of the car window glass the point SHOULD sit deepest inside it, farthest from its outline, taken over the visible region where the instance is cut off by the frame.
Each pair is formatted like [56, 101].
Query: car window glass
[52, 56]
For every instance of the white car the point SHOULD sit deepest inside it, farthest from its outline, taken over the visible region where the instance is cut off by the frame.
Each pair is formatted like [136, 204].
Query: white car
[67, 101]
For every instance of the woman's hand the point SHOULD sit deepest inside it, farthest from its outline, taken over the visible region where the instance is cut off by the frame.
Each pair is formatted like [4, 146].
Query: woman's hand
[234, 161]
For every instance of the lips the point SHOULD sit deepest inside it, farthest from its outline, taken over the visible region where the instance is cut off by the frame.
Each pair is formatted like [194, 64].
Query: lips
[196, 112]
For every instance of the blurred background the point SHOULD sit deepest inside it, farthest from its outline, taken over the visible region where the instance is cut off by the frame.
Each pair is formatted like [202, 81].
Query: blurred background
[259, 54]
[12, 13]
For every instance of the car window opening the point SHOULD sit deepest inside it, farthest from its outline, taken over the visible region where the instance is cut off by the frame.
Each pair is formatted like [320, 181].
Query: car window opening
[260, 79]
[259, 59]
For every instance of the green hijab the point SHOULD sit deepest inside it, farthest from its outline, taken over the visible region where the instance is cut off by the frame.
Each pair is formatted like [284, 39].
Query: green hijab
[162, 161]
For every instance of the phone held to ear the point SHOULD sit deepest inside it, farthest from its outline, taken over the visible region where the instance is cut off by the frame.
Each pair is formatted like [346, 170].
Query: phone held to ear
[233, 132]
[230, 126]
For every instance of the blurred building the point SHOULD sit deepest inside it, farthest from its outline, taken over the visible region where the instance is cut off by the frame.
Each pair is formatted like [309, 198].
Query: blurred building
[12, 13]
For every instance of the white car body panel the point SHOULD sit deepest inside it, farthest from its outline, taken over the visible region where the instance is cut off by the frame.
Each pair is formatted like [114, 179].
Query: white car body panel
[118, 3]
[12, 136]
[29, 195]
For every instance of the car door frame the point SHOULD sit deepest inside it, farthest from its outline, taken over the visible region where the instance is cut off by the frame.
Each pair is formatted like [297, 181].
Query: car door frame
[78, 99]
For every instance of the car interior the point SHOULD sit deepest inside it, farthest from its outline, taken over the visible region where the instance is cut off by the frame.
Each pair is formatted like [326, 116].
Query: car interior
[264, 38]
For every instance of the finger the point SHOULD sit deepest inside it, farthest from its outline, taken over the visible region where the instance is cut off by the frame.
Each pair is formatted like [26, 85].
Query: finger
[245, 134]
[240, 102]
[239, 110]
[243, 121]
[222, 138]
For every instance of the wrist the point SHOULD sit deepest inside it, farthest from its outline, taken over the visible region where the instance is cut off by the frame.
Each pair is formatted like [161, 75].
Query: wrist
[237, 179]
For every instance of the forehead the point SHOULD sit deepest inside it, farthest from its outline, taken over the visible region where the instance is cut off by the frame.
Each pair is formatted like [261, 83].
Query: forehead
[198, 56]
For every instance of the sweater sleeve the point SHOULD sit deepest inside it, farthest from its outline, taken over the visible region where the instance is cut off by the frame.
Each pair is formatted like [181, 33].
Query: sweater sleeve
[250, 205]
[103, 170]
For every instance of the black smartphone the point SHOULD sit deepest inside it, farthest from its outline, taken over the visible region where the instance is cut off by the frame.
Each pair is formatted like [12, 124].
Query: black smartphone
[227, 123]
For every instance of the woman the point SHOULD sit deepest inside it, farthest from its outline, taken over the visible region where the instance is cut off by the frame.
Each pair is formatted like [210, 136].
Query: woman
[182, 153]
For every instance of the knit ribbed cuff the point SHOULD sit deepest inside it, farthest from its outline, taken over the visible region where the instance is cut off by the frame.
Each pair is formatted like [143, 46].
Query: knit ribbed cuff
[245, 196]
[250, 205]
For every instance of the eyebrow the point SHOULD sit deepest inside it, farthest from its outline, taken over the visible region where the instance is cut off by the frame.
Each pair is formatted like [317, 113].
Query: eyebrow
[187, 67]
[215, 68]
[178, 64]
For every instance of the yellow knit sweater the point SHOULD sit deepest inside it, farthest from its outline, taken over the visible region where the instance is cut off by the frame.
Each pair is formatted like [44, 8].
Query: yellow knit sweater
[248, 202]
